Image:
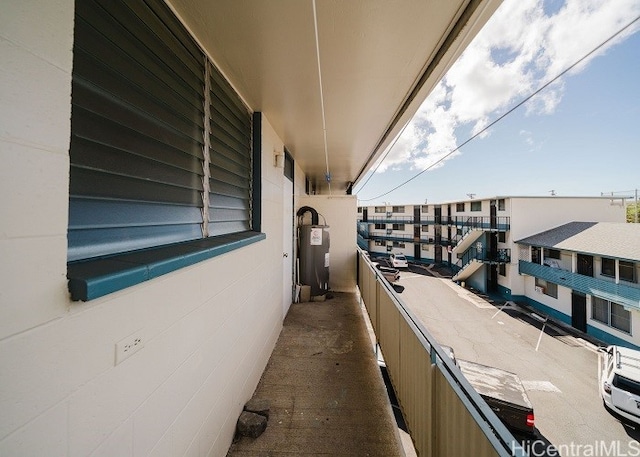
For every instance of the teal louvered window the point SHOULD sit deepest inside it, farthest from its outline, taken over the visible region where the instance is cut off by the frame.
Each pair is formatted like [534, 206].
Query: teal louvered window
[163, 151]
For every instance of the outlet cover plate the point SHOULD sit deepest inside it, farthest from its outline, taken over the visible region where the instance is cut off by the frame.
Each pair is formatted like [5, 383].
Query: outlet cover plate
[128, 346]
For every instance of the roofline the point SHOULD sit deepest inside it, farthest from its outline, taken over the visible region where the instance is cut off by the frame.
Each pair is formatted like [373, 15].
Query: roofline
[500, 197]
[592, 253]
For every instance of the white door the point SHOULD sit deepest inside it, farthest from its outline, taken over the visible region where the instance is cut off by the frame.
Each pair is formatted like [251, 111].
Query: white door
[287, 244]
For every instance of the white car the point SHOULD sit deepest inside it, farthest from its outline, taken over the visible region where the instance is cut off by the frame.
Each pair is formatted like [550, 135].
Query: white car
[398, 261]
[620, 382]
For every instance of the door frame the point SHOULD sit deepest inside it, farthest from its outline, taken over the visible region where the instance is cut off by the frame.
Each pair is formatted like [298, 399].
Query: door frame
[579, 311]
[288, 233]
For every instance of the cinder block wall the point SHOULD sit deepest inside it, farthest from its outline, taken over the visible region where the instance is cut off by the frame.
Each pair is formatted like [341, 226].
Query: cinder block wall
[207, 330]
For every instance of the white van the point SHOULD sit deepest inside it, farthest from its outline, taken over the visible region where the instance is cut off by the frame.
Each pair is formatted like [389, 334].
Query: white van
[620, 382]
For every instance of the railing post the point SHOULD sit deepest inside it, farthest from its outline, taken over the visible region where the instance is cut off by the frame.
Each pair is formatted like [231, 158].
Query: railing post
[433, 355]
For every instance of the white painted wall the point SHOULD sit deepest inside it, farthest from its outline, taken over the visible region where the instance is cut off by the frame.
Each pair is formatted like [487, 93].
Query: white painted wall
[531, 215]
[561, 304]
[35, 95]
[340, 213]
[208, 329]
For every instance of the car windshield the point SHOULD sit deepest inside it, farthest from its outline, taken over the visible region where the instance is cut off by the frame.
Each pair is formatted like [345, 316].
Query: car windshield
[627, 384]
[400, 257]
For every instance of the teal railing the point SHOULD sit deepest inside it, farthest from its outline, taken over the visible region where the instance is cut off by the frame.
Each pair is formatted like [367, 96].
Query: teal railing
[622, 294]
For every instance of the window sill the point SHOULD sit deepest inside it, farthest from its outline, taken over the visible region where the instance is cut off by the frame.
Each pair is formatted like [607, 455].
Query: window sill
[90, 279]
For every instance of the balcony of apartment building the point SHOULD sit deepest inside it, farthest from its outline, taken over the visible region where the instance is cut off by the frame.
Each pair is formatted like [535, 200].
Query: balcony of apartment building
[615, 280]
[327, 393]
[470, 228]
[471, 235]
[390, 218]
[475, 258]
[399, 234]
[188, 150]
[495, 223]
[399, 231]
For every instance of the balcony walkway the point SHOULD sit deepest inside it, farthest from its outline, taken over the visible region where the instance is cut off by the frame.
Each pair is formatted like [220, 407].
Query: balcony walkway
[326, 391]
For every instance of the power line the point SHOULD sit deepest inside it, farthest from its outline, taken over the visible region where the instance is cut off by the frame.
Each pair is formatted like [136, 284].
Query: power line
[511, 110]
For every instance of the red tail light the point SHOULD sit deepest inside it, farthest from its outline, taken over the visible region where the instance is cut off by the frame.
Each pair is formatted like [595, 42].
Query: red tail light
[530, 420]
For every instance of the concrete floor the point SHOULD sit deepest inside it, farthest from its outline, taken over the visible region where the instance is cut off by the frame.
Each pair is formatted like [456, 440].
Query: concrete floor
[325, 388]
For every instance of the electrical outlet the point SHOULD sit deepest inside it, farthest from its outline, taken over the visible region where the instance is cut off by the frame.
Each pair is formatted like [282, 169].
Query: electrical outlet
[128, 346]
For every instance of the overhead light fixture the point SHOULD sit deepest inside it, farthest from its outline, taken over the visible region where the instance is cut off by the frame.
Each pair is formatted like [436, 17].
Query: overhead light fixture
[278, 160]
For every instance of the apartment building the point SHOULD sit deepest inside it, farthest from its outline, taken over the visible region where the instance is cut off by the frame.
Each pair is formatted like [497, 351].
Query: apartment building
[153, 156]
[586, 275]
[482, 241]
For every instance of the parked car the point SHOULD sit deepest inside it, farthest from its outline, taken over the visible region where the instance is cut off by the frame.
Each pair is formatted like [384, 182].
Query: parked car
[398, 261]
[502, 390]
[620, 382]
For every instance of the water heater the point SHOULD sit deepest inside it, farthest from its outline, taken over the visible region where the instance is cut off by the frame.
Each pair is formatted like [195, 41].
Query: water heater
[313, 252]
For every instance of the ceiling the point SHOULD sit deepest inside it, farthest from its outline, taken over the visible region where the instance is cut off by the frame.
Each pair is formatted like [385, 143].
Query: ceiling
[336, 79]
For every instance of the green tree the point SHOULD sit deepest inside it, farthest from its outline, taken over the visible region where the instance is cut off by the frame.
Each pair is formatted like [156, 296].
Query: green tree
[632, 212]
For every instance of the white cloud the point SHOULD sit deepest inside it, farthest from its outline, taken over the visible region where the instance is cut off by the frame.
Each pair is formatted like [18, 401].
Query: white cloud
[527, 136]
[521, 48]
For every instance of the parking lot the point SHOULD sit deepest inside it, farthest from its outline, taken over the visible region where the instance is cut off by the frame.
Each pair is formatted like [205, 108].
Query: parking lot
[558, 368]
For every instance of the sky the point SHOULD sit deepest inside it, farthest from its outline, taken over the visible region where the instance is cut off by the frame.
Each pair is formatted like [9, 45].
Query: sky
[579, 136]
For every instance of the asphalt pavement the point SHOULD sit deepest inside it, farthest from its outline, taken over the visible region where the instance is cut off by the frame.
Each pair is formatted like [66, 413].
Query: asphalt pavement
[558, 367]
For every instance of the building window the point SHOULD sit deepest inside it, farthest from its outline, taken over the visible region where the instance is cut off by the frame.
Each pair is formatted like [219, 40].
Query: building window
[600, 310]
[502, 237]
[536, 256]
[620, 317]
[398, 209]
[424, 209]
[476, 206]
[381, 243]
[501, 205]
[611, 314]
[380, 209]
[608, 267]
[398, 244]
[627, 271]
[551, 254]
[360, 209]
[380, 226]
[398, 226]
[502, 269]
[425, 228]
[459, 207]
[425, 247]
[161, 145]
[547, 287]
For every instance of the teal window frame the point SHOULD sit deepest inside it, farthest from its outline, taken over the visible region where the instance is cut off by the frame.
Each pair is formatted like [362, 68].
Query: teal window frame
[176, 104]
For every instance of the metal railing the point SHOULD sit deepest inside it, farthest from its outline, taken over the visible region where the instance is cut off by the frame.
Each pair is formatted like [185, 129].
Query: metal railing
[484, 255]
[393, 235]
[502, 223]
[444, 414]
[620, 293]
[390, 219]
